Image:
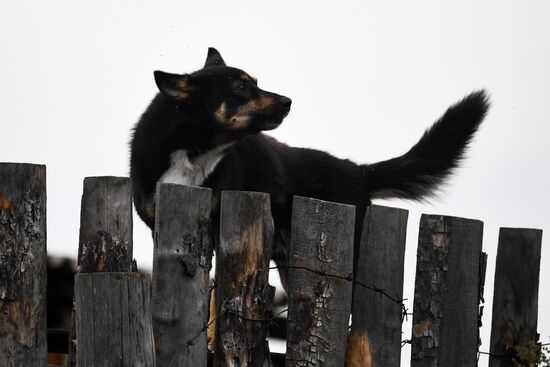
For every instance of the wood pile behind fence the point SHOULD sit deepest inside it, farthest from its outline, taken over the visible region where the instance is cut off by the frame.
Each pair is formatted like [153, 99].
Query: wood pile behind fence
[123, 318]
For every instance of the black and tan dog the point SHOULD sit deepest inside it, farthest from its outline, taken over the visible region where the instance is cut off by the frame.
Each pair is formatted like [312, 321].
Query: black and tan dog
[204, 129]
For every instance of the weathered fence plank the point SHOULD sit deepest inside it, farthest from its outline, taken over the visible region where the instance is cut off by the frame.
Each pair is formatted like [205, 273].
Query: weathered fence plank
[446, 297]
[105, 227]
[515, 301]
[113, 320]
[376, 329]
[320, 267]
[22, 265]
[106, 207]
[181, 264]
[243, 293]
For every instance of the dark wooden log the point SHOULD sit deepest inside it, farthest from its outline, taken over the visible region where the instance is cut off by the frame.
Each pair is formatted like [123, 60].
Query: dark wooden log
[181, 264]
[320, 270]
[106, 207]
[244, 295]
[113, 320]
[515, 300]
[376, 328]
[22, 265]
[446, 297]
[105, 227]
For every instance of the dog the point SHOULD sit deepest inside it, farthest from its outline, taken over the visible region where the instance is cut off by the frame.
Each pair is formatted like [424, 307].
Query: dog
[205, 129]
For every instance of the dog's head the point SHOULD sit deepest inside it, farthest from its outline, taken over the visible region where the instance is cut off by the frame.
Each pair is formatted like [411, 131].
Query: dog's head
[226, 99]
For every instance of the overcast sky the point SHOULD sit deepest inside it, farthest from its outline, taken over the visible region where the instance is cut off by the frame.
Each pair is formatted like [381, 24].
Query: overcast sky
[366, 79]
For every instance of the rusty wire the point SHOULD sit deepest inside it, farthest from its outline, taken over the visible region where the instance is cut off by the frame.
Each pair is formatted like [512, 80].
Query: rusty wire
[272, 320]
[204, 329]
[349, 278]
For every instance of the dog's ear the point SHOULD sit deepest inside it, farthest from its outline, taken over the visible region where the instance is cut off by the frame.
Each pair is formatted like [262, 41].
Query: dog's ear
[213, 58]
[174, 85]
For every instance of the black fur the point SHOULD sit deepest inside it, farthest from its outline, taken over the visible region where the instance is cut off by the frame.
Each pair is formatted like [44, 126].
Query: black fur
[182, 116]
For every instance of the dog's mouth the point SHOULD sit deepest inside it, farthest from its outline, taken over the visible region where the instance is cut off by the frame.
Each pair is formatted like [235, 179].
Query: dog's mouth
[271, 125]
[273, 120]
[275, 117]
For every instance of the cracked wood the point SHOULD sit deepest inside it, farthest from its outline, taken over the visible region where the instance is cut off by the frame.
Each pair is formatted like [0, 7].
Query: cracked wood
[319, 306]
[243, 293]
[446, 298]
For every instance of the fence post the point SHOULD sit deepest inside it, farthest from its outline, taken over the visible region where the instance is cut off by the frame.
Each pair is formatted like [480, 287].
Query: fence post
[515, 300]
[22, 265]
[113, 319]
[181, 264]
[106, 206]
[105, 213]
[320, 270]
[243, 293]
[376, 328]
[446, 297]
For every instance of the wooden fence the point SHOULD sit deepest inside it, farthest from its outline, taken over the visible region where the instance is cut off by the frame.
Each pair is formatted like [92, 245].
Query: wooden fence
[124, 318]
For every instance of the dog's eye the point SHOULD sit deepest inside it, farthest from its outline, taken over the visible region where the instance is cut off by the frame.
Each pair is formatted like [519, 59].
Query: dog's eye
[241, 86]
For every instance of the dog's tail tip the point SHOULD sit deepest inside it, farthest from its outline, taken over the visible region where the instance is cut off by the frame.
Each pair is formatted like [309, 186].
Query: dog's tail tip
[477, 103]
[480, 95]
[422, 171]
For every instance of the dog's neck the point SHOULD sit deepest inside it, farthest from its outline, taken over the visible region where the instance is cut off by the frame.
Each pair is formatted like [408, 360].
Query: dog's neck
[192, 171]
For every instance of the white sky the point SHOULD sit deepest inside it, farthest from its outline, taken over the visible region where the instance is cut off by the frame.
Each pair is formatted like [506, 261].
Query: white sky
[366, 79]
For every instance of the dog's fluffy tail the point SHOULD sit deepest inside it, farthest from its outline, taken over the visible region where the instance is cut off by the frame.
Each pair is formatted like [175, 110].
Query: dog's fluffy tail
[422, 170]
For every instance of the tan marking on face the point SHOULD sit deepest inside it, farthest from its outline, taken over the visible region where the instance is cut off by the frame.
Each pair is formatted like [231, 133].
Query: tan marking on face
[239, 122]
[242, 116]
[265, 101]
[220, 114]
[255, 105]
[250, 107]
[245, 77]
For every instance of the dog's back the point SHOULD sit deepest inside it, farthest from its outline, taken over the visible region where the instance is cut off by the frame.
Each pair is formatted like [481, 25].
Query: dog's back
[204, 129]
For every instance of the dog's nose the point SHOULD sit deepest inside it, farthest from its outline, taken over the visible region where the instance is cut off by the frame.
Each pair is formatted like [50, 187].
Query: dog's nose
[286, 102]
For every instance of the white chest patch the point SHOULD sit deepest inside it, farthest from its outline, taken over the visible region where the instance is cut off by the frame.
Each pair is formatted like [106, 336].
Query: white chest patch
[183, 171]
